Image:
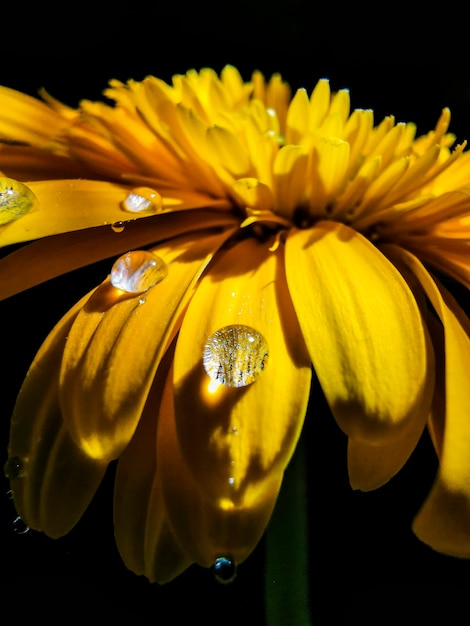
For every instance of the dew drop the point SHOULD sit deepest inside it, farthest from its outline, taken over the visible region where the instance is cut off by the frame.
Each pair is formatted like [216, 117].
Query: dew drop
[15, 200]
[235, 355]
[225, 570]
[19, 526]
[137, 271]
[143, 199]
[13, 468]
[118, 227]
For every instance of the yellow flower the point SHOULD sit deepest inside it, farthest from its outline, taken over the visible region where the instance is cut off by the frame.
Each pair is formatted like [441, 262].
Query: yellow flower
[254, 238]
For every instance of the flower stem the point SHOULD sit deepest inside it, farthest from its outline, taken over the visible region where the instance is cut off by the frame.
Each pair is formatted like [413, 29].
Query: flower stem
[287, 598]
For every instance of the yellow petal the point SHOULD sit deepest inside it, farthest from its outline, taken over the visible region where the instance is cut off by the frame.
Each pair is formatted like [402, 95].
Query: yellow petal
[247, 433]
[30, 163]
[363, 330]
[26, 119]
[144, 538]
[206, 529]
[115, 345]
[444, 519]
[56, 481]
[51, 257]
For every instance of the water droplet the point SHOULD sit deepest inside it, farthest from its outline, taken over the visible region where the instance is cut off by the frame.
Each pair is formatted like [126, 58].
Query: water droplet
[118, 227]
[235, 355]
[231, 480]
[143, 199]
[19, 526]
[224, 569]
[15, 200]
[13, 468]
[137, 271]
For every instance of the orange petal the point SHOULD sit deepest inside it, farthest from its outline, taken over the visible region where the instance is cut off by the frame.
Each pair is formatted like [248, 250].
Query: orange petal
[247, 433]
[444, 519]
[51, 257]
[57, 481]
[115, 345]
[144, 537]
[363, 329]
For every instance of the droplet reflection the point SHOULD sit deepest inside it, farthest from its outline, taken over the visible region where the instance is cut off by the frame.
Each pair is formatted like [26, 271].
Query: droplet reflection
[19, 526]
[143, 199]
[224, 569]
[137, 271]
[15, 200]
[13, 468]
[235, 355]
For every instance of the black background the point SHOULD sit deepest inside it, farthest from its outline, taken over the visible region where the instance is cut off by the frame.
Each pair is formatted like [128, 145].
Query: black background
[406, 59]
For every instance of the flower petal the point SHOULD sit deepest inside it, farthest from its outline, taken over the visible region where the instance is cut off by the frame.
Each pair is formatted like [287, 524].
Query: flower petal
[116, 343]
[363, 330]
[247, 434]
[51, 257]
[144, 537]
[56, 481]
[444, 519]
[205, 528]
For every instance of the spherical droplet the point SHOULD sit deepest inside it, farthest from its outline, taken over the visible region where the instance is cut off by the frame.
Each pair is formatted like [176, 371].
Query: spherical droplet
[19, 526]
[137, 271]
[15, 200]
[13, 468]
[235, 355]
[143, 199]
[118, 227]
[224, 569]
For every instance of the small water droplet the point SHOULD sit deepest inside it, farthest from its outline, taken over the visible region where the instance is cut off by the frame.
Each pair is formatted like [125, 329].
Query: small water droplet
[231, 480]
[224, 569]
[143, 199]
[235, 355]
[15, 200]
[13, 468]
[137, 271]
[10, 494]
[142, 300]
[118, 227]
[19, 526]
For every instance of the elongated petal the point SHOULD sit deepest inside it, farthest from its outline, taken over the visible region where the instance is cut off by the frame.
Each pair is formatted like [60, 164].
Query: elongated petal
[51, 257]
[116, 343]
[444, 519]
[247, 434]
[143, 535]
[363, 330]
[205, 528]
[56, 480]
[27, 119]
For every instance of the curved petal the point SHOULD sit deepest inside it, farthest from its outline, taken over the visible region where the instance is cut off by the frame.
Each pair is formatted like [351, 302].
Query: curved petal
[55, 481]
[444, 519]
[115, 345]
[27, 119]
[30, 163]
[143, 535]
[50, 257]
[370, 467]
[234, 439]
[363, 330]
[205, 528]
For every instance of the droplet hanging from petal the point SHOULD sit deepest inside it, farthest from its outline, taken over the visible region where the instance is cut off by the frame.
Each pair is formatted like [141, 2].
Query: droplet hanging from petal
[224, 569]
[16, 199]
[143, 199]
[138, 271]
[235, 356]
[13, 468]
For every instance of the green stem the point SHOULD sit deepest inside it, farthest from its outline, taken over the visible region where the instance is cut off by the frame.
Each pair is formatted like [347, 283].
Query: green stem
[287, 598]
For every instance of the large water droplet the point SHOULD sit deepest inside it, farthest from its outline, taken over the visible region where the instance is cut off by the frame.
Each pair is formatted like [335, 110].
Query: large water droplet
[224, 569]
[13, 468]
[143, 199]
[15, 200]
[235, 355]
[137, 271]
[19, 526]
